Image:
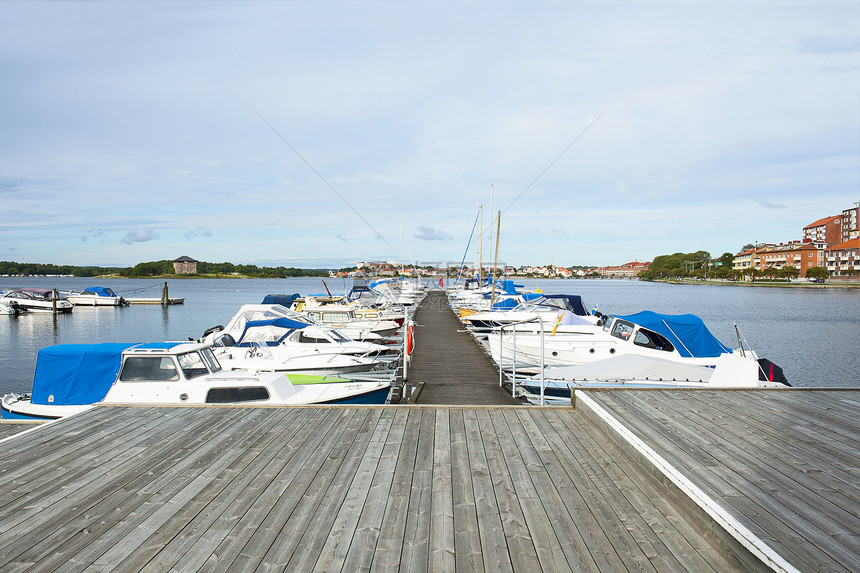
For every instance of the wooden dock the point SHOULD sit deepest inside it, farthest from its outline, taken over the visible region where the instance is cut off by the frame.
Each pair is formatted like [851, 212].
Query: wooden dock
[448, 362]
[412, 488]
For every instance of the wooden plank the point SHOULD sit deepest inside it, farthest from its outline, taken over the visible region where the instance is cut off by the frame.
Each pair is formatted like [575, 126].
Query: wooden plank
[750, 481]
[521, 548]
[416, 541]
[389, 545]
[253, 530]
[285, 526]
[442, 498]
[467, 539]
[538, 523]
[364, 543]
[342, 534]
[60, 532]
[195, 520]
[494, 547]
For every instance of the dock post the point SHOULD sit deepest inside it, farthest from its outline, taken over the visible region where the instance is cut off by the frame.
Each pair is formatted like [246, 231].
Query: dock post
[164, 298]
[54, 300]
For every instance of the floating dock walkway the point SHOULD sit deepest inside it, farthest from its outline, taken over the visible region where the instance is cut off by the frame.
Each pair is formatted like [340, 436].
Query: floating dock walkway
[645, 480]
[448, 365]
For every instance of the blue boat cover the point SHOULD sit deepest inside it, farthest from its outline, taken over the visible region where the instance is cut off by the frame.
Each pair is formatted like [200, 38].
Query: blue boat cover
[572, 302]
[686, 332]
[505, 304]
[286, 323]
[76, 374]
[284, 299]
[101, 291]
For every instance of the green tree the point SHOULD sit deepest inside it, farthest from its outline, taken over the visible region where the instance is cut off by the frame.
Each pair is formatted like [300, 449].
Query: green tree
[818, 273]
[789, 273]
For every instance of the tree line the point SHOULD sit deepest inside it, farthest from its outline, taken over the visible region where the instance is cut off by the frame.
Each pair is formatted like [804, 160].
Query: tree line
[156, 268]
[700, 265]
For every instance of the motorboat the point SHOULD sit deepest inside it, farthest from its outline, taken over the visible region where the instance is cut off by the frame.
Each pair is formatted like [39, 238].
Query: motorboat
[548, 308]
[680, 338]
[286, 345]
[96, 296]
[342, 317]
[71, 378]
[502, 293]
[731, 370]
[10, 306]
[35, 300]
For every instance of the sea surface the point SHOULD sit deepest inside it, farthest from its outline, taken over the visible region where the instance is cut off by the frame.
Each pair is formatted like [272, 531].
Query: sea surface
[814, 334]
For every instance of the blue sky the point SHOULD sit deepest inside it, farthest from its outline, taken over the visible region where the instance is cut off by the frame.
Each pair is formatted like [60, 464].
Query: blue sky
[310, 133]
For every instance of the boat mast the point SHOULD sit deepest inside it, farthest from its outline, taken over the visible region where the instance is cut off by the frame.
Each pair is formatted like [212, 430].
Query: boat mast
[480, 241]
[496, 258]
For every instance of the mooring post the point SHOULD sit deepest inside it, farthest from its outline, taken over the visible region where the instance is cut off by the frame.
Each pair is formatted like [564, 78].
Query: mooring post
[54, 300]
[164, 299]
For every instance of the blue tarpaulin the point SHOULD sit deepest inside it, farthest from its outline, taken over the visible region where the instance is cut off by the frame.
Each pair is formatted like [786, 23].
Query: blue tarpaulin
[76, 374]
[686, 332]
[101, 291]
[283, 299]
[287, 324]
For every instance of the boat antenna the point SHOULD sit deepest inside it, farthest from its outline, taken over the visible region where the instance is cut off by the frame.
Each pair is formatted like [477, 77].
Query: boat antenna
[740, 344]
[324, 180]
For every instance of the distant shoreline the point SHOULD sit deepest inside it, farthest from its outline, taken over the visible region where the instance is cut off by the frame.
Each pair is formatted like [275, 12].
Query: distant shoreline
[827, 285]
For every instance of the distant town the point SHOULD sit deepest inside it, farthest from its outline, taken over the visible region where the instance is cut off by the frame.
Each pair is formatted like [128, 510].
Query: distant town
[827, 248]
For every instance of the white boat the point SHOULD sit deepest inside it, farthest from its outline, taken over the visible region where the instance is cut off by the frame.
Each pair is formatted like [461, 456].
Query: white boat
[549, 309]
[273, 337]
[286, 345]
[35, 300]
[342, 317]
[71, 378]
[734, 370]
[96, 296]
[679, 338]
[9, 306]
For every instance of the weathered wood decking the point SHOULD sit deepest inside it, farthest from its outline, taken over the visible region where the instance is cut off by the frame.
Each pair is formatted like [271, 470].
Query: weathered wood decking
[784, 463]
[334, 489]
[448, 361]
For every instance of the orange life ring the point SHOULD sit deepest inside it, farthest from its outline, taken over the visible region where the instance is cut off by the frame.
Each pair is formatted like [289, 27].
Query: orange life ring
[410, 342]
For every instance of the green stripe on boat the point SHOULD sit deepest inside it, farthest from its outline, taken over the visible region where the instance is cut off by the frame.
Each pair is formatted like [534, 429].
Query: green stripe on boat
[301, 379]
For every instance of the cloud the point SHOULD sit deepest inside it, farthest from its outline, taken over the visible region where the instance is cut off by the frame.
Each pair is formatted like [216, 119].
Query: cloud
[769, 205]
[431, 234]
[92, 233]
[139, 235]
[200, 231]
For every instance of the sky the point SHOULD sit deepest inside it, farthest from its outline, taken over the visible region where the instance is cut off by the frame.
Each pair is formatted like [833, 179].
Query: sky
[319, 134]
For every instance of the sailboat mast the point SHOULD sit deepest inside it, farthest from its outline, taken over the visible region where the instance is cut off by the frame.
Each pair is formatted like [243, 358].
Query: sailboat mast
[496, 258]
[480, 243]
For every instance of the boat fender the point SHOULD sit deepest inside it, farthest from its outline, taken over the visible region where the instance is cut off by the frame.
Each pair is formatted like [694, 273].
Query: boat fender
[410, 340]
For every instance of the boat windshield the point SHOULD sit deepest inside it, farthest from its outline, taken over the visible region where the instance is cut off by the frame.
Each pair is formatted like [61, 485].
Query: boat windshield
[192, 365]
[210, 360]
[622, 329]
[148, 369]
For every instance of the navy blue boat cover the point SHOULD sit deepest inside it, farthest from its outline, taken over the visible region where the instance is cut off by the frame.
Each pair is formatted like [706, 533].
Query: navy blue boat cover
[76, 374]
[686, 331]
[284, 299]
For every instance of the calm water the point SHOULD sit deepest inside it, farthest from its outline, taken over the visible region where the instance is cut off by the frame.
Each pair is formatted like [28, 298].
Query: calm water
[814, 334]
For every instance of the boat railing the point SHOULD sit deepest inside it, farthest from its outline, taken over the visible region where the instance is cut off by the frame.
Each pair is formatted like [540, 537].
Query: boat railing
[513, 326]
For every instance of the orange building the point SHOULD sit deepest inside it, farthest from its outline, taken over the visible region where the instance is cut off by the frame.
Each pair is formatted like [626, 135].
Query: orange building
[843, 259]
